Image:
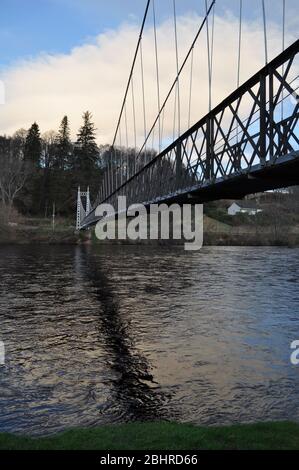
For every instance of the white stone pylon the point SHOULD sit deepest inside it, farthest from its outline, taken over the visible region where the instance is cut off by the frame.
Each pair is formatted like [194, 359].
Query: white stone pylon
[78, 221]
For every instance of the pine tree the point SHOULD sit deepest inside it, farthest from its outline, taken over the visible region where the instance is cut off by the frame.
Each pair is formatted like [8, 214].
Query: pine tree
[33, 146]
[63, 153]
[86, 149]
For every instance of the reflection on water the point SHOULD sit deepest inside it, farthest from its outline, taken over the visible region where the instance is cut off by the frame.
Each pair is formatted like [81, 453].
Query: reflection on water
[101, 335]
[134, 390]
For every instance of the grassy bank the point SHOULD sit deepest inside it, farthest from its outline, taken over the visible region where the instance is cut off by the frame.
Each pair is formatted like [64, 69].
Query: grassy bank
[40, 231]
[165, 436]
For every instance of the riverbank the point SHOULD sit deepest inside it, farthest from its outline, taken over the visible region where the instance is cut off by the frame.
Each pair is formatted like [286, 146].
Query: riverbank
[40, 231]
[164, 436]
[216, 233]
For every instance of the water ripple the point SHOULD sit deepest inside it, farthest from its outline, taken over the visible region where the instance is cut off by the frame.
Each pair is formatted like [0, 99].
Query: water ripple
[115, 334]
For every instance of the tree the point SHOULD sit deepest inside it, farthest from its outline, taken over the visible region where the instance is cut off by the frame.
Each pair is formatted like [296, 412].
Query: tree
[86, 149]
[64, 146]
[14, 171]
[49, 149]
[19, 138]
[33, 146]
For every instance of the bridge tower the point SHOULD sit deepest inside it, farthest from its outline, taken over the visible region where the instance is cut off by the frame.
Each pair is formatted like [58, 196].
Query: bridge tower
[81, 210]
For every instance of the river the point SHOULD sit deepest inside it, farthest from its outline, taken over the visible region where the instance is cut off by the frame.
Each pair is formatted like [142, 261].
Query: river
[114, 334]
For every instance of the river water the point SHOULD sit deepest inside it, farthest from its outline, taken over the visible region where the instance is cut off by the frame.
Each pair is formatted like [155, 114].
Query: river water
[114, 334]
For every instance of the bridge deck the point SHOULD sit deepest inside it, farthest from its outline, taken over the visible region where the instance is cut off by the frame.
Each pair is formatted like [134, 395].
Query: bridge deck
[283, 173]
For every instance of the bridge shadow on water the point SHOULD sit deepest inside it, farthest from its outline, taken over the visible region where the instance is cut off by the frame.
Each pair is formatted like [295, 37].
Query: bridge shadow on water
[135, 395]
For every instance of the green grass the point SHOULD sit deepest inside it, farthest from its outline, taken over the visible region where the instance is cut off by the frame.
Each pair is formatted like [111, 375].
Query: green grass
[165, 436]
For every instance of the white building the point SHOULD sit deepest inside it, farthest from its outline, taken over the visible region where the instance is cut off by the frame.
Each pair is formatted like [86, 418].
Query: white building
[244, 207]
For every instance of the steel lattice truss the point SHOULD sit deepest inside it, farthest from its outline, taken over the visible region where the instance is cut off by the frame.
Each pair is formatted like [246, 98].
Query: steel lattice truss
[250, 129]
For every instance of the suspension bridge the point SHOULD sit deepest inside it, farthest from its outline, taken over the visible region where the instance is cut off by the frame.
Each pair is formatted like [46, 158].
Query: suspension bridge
[247, 143]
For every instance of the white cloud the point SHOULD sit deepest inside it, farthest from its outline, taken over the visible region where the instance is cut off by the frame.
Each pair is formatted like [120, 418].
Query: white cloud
[93, 76]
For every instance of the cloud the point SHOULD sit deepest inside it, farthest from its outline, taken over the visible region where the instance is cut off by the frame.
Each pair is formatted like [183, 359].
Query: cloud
[93, 77]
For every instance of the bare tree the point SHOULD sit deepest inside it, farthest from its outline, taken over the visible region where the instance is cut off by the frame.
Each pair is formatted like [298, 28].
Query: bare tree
[49, 144]
[19, 137]
[14, 172]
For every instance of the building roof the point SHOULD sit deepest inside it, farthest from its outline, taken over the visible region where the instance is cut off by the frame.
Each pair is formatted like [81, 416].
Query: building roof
[247, 204]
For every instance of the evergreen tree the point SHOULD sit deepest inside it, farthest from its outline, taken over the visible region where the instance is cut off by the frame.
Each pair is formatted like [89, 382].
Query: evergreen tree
[86, 149]
[64, 146]
[33, 146]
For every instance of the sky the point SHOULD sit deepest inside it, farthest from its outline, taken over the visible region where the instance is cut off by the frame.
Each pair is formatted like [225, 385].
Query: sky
[65, 56]
[31, 27]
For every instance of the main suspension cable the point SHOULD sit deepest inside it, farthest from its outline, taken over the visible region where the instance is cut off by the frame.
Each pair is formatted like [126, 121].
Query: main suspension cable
[132, 69]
